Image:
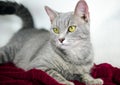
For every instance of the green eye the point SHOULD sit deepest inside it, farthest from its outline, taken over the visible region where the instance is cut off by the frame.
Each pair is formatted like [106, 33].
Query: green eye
[72, 28]
[56, 30]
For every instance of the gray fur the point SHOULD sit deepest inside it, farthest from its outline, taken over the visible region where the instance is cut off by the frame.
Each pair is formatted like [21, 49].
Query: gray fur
[40, 49]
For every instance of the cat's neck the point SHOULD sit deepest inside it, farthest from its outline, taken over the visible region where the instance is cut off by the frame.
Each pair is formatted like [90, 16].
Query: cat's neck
[79, 55]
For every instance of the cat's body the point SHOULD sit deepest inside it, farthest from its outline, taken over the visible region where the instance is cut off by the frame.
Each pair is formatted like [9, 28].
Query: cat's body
[63, 55]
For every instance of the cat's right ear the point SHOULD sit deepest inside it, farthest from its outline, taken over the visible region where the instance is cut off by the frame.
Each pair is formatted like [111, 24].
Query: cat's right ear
[51, 13]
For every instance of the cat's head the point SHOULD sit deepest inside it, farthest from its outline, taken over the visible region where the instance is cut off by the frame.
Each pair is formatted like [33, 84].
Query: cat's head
[69, 29]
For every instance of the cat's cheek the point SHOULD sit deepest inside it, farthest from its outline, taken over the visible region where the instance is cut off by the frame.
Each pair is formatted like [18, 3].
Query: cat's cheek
[56, 43]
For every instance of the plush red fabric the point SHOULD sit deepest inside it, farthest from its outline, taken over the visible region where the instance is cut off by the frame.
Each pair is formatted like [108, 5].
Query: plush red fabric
[11, 75]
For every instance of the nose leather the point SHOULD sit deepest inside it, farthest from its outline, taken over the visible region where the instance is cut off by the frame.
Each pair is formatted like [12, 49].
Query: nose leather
[61, 39]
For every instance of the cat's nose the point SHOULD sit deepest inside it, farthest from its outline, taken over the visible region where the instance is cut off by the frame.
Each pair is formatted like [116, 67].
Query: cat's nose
[61, 39]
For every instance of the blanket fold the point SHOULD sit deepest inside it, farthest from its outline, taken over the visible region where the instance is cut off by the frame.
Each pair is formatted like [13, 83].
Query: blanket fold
[11, 75]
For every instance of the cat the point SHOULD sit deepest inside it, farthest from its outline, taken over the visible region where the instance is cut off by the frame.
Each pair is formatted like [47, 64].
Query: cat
[65, 52]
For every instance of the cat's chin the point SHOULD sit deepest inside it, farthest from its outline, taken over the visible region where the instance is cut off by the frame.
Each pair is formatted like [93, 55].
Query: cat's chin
[67, 45]
[64, 46]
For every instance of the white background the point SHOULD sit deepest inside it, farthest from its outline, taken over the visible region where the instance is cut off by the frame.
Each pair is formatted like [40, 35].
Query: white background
[105, 24]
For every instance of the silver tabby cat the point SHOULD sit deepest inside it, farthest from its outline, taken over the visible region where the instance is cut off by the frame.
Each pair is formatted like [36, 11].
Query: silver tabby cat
[65, 52]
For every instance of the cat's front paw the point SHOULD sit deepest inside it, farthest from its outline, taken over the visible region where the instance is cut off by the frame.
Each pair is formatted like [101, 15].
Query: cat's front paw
[68, 83]
[94, 82]
[1, 58]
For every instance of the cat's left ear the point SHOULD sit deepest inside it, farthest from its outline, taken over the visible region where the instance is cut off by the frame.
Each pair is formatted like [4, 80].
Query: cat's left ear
[51, 13]
[81, 10]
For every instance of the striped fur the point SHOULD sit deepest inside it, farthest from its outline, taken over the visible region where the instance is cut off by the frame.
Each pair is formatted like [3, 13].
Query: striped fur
[10, 8]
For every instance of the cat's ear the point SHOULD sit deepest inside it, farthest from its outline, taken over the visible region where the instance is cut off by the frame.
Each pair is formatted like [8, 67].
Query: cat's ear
[51, 13]
[81, 10]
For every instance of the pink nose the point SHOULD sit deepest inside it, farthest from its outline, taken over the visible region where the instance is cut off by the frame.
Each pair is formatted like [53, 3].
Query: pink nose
[61, 39]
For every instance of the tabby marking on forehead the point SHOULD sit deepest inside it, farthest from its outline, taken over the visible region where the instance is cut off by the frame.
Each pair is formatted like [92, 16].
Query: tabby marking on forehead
[64, 20]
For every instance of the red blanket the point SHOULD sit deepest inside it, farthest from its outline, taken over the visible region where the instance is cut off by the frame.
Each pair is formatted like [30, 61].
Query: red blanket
[11, 75]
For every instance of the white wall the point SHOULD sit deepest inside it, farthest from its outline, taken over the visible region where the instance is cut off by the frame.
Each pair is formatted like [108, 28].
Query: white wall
[105, 24]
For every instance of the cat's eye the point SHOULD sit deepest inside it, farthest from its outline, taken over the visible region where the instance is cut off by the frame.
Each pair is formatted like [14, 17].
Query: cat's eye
[72, 28]
[56, 30]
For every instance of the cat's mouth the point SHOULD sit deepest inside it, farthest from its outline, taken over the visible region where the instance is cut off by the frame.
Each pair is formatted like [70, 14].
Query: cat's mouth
[64, 45]
[69, 44]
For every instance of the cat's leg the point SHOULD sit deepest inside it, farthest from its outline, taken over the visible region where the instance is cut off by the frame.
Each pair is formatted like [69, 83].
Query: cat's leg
[89, 80]
[6, 54]
[3, 55]
[59, 77]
